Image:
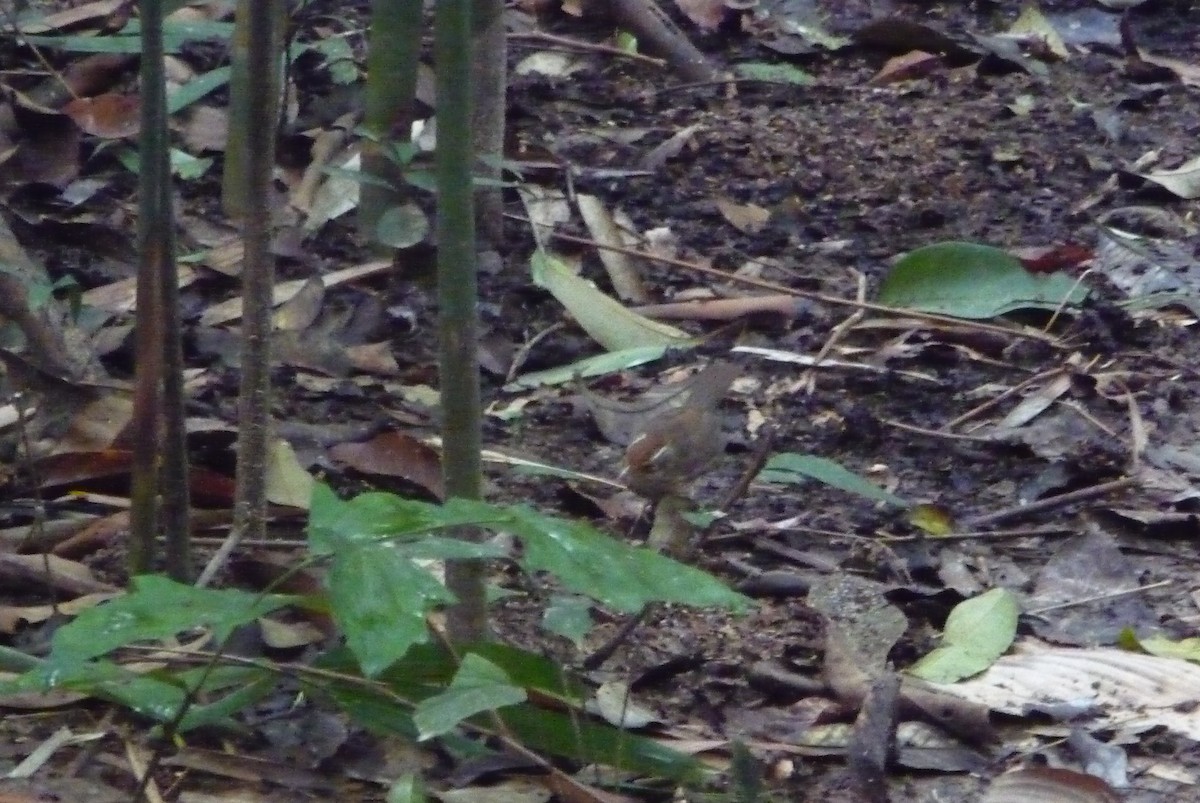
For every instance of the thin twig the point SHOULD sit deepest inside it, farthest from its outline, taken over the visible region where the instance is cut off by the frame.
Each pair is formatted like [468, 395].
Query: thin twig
[809, 380]
[1051, 503]
[762, 453]
[995, 401]
[1125, 592]
[585, 47]
[606, 650]
[523, 352]
[936, 433]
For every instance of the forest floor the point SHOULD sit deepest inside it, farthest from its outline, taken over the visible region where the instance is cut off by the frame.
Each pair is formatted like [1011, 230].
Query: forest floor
[816, 187]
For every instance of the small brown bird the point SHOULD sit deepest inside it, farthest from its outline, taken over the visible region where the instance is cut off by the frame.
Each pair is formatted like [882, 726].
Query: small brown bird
[676, 446]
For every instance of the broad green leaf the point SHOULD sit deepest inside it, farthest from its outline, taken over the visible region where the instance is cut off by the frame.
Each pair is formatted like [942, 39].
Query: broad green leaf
[584, 559]
[790, 468]
[433, 547]
[532, 671]
[569, 616]
[607, 322]
[379, 599]
[253, 686]
[590, 742]
[156, 695]
[370, 516]
[612, 572]
[426, 670]
[977, 632]
[157, 608]
[339, 59]
[478, 686]
[372, 709]
[402, 226]
[968, 280]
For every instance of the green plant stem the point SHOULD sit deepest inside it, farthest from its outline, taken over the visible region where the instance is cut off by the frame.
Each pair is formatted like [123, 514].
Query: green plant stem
[457, 298]
[490, 74]
[392, 63]
[233, 179]
[155, 251]
[258, 274]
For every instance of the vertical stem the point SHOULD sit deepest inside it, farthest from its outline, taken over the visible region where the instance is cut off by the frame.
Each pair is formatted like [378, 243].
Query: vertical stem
[258, 274]
[457, 299]
[155, 249]
[388, 104]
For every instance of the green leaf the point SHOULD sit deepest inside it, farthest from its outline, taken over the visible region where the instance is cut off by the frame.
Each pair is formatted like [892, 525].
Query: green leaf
[569, 616]
[421, 179]
[612, 572]
[158, 608]
[968, 280]
[774, 73]
[128, 40]
[93, 44]
[433, 547]
[530, 670]
[379, 599]
[157, 695]
[1187, 649]
[39, 295]
[604, 319]
[339, 59]
[594, 743]
[357, 176]
[426, 670]
[599, 365]
[401, 153]
[185, 30]
[584, 559]
[478, 686]
[371, 516]
[409, 788]
[197, 88]
[402, 226]
[253, 685]
[977, 632]
[368, 707]
[790, 468]
[188, 167]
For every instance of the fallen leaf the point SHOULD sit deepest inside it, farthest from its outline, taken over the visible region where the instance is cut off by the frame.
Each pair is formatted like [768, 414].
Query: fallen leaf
[747, 218]
[394, 454]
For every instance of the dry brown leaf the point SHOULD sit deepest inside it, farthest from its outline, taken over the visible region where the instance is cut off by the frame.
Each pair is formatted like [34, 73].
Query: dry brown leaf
[394, 454]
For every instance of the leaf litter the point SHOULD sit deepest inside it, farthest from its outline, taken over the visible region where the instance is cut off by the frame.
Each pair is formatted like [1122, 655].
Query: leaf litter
[773, 177]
